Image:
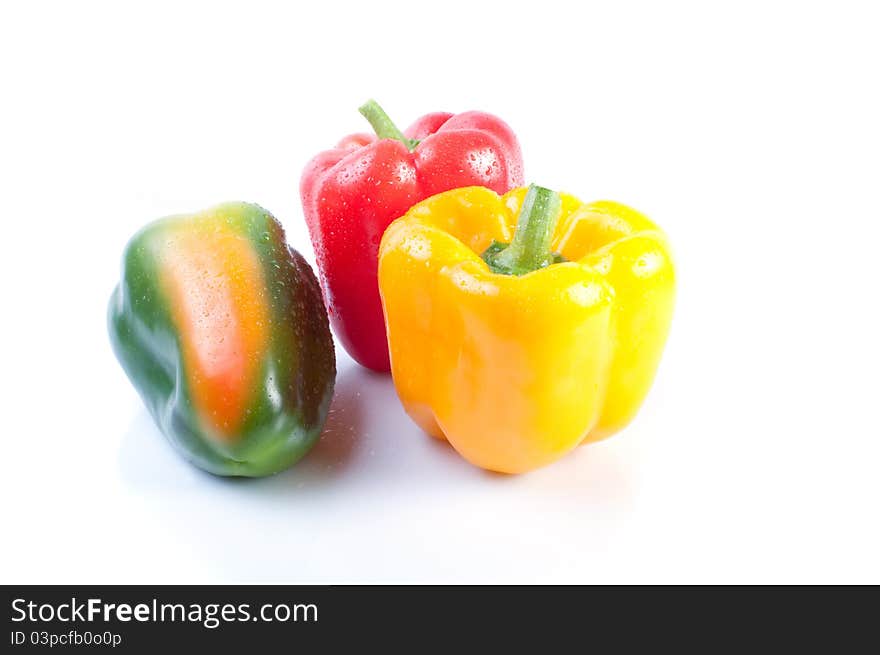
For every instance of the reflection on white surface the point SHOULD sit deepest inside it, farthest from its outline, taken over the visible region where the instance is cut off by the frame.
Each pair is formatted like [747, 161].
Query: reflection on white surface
[378, 500]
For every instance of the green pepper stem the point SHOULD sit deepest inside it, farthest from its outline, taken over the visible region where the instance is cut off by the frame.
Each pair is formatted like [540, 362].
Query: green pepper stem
[530, 248]
[382, 124]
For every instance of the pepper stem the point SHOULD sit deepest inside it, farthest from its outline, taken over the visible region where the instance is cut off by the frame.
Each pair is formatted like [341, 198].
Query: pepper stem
[382, 124]
[530, 248]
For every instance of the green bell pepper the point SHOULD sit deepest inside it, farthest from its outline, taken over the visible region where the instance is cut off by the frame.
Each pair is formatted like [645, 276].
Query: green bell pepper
[221, 328]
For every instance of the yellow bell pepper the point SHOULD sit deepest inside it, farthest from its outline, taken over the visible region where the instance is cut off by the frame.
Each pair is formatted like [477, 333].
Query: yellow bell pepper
[518, 356]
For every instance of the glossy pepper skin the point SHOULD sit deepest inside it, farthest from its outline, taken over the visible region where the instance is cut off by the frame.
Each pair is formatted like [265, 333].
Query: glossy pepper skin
[352, 193]
[221, 328]
[516, 370]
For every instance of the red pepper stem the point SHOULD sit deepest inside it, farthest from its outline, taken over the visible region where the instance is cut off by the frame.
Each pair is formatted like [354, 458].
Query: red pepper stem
[530, 248]
[382, 124]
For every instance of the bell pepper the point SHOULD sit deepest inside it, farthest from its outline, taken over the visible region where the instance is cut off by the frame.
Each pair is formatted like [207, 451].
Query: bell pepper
[221, 328]
[521, 326]
[352, 193]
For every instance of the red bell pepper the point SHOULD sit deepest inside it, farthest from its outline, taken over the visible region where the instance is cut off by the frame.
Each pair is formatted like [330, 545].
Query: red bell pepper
[352, 193]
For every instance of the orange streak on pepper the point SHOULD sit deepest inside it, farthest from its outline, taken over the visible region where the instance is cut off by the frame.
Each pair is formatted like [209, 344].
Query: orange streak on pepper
[213, 278]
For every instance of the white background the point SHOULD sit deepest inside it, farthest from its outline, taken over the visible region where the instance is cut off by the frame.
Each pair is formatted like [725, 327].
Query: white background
[749, 131]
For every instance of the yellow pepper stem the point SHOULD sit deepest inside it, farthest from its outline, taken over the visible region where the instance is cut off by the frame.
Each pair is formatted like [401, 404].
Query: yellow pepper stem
[530, 248]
